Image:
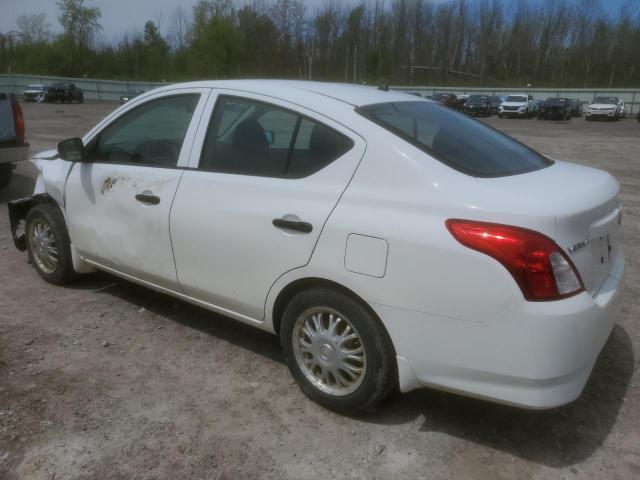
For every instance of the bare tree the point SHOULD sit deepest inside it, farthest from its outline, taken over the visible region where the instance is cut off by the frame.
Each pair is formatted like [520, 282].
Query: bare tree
[34, 28]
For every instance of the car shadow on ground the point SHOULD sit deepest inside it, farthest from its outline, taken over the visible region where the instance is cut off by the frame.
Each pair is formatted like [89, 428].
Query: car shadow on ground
[557, 438]
[231, 331]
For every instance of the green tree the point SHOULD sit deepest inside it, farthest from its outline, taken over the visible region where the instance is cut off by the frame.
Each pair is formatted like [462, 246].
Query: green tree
[80, 26]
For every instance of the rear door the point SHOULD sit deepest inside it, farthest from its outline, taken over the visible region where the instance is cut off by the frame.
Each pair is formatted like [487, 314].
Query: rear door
[118, 203]
[262, 184]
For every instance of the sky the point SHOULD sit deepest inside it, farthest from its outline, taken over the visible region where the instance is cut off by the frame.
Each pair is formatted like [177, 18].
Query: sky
[123, 16]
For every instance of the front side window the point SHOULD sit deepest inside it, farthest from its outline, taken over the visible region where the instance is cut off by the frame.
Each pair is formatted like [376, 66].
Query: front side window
[456, 140]
[151, 134]
[248, 137]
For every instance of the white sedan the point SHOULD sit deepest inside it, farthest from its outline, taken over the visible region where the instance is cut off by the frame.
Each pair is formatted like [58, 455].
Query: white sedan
[389, 241]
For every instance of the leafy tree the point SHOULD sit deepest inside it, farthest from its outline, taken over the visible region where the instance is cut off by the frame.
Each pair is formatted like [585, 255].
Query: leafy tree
[80, 26]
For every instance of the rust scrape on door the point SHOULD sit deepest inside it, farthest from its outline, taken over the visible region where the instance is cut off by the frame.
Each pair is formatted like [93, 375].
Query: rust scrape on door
[110, 182]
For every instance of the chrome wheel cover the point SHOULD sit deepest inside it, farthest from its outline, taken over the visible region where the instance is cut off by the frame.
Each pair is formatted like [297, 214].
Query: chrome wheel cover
[44, 248]
[329, 351]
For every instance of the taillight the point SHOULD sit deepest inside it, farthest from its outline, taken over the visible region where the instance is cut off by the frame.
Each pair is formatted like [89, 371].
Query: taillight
[18, 120]
[538, 265]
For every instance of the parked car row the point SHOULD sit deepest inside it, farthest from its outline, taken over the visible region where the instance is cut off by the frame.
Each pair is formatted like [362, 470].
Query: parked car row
[523, 105]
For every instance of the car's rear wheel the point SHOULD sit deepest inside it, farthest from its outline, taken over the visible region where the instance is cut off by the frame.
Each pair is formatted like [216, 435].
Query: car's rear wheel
[6, 173]
[48, 244]
[337, 350]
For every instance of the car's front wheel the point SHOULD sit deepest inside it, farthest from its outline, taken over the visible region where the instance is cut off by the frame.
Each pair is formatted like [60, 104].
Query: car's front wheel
[337, 350]
[48, 244]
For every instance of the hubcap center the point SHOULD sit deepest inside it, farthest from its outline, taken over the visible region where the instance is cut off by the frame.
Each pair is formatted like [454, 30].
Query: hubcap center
[326, 352]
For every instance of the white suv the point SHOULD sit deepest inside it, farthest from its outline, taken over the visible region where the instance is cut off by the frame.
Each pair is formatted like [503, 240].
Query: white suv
[517, 105]
[610, 108]
[388, 240]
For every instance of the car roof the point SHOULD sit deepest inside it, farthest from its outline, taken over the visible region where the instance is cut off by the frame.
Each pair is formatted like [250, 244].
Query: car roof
[356, 95]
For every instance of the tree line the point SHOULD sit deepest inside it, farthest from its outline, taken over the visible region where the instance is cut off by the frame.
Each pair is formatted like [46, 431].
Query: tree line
[564, 43]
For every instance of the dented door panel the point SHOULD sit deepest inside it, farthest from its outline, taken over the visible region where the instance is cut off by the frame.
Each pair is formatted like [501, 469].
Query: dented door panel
[109, 226]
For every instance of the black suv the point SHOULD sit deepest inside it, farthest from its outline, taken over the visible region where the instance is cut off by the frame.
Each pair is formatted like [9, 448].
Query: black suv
[478, 105]
[576, 107]
[65, 93]
[555, 108]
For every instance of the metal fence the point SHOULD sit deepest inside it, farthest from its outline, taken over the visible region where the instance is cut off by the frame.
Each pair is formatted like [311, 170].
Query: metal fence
[110, 90]
[93, 89]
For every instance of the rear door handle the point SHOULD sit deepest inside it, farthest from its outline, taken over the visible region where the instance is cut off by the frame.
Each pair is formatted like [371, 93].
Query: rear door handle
[298, 226]
[148, 199]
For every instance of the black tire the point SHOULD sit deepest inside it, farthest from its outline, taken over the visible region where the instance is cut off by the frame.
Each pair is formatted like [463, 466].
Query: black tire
[52, 217]
[381, 374]
[500, 115]
[6, 174]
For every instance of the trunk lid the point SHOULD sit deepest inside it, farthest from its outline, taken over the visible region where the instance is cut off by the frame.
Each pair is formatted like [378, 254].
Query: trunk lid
[577, 206]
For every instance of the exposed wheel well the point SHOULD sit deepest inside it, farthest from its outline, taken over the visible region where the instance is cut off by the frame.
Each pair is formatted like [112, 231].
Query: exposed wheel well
[298, 286]
[18, 210]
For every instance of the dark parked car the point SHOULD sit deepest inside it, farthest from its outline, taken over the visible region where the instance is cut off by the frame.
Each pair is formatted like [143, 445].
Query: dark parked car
[448, 99]
[478, 105]
[134, 93]
[65, 93]
[576, 107]
[555, 108]
[495, 103]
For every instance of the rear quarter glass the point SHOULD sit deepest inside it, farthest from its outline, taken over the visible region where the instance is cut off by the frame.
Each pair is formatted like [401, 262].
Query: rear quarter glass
[454, 139]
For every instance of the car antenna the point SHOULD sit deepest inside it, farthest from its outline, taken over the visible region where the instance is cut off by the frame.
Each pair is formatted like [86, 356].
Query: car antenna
[384, 86]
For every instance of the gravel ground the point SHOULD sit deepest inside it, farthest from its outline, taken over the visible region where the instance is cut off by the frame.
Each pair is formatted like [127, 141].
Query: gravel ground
[106, 380]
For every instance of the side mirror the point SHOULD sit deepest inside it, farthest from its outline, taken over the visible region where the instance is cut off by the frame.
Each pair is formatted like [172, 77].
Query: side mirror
[71, 150]
[271, 136]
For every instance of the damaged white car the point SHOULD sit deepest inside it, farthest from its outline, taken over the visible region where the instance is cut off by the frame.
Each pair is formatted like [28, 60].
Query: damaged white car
[389, 241]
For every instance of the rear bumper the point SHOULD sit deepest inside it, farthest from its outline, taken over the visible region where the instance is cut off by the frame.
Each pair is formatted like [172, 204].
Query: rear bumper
[14, 153]
[536, 355]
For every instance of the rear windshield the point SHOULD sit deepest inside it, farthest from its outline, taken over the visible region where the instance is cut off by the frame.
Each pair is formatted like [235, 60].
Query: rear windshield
[477, 99]
[556, 101]
[456, 140]
[516, 98]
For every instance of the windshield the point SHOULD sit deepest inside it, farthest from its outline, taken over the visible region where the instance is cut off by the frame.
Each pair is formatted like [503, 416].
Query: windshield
[59, 85]
[555, 101]
[477, 99]
[35, 87]
[516, 98]
[610, 100]
[456, 140]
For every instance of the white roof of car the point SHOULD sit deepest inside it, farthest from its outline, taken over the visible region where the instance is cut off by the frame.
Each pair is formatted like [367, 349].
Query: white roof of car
[356, 95]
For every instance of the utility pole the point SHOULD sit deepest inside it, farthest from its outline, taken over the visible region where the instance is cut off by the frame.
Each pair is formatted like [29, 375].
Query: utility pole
[346, 68]
[355, 62]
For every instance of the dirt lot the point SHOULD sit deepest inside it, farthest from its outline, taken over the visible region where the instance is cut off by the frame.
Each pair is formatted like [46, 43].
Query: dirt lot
[103, 379]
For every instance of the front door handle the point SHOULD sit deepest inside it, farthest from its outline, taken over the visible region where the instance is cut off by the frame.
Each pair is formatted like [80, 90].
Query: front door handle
[296, 225]
[148, 199]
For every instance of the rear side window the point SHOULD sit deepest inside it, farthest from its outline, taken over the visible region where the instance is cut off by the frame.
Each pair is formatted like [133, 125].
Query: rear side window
[248, 137]
[456, 140]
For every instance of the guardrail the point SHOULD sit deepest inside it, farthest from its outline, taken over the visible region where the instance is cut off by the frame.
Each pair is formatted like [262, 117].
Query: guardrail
[110, 90]
[93, 89]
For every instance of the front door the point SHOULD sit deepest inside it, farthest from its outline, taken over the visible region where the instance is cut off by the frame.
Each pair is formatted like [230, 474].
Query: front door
[267, 179]
[118, 202]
